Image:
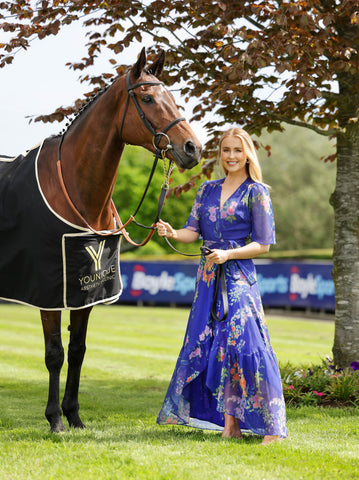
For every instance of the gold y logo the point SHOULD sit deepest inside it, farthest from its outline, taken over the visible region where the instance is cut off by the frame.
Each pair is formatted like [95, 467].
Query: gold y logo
[96, 256]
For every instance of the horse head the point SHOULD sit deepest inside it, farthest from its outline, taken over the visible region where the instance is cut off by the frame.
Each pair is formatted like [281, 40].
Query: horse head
[136, 109]
[161, 126]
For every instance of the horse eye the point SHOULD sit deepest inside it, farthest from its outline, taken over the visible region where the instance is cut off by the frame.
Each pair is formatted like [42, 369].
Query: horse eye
[148, 99]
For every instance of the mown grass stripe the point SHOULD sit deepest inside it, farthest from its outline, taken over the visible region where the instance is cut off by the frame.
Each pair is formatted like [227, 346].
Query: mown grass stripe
[130, 357]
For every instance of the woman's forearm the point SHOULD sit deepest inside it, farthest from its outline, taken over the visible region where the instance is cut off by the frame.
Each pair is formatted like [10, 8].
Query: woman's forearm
[183, 235]
[251, 250]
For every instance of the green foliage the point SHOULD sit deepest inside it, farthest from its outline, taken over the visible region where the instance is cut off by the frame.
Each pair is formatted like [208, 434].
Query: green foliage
[321, 385]
[312, 253]
[301, 187]
[300, 182]
[134, 170]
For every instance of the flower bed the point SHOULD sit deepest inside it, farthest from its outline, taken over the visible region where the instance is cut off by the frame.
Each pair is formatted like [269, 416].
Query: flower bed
[323, 385]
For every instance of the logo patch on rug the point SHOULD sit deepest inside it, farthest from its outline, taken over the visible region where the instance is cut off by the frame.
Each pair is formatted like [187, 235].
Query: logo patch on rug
[91, 269]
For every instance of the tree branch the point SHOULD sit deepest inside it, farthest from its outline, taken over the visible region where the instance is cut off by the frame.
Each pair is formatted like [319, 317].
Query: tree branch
[185, 50]
[255, 23]
[330, 95]
[298, 123]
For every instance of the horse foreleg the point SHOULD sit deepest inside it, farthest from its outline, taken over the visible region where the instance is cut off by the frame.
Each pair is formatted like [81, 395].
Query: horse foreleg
[54, 359]
[76, 353]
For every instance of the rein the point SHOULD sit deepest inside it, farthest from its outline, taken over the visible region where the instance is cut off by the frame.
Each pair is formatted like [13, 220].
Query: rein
[220, 280]
[159, 153]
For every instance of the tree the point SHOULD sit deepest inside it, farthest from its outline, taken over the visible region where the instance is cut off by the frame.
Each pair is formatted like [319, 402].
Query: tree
[301, 185]
[305, 54]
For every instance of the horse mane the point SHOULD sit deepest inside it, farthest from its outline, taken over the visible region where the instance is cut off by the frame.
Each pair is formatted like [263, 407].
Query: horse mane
[89, 101]
[75, 115]
[85, 105]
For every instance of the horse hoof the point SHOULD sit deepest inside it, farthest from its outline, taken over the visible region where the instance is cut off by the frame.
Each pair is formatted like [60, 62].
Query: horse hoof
[58, 427]
[78, 424]
[75, 421]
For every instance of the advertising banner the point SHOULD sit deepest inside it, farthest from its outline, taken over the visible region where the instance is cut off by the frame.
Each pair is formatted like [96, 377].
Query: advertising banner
[282, 284]
[159, 282]
[297, 285]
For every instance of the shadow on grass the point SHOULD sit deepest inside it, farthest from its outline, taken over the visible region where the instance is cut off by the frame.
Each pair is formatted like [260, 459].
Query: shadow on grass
[24, 400]
[120, 411]
[117, 411]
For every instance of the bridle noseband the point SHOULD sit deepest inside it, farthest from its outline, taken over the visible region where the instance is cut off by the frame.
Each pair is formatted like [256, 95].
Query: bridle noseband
[159, 153]
[156, 135]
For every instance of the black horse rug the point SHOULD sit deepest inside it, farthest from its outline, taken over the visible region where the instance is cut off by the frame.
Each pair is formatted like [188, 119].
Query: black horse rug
[45, 261]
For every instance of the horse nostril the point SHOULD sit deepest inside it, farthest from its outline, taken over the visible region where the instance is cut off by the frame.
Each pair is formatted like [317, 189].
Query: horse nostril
[190, 148]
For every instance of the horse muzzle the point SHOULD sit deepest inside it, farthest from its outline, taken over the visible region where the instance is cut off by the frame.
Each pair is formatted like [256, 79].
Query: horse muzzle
[186, 156]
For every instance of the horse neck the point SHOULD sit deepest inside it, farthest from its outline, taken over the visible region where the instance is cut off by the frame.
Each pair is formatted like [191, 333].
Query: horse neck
[90, 156]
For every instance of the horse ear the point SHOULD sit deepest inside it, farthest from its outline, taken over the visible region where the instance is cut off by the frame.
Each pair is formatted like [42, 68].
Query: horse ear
[157, 67]
[140, 64]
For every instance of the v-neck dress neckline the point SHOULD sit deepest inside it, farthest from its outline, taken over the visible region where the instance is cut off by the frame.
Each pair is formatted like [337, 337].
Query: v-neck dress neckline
[221, 206]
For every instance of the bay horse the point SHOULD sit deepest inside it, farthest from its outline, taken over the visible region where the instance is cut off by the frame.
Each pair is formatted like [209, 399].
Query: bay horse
[135, 109]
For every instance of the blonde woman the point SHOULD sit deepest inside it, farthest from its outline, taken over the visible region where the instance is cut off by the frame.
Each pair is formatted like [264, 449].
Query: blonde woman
[227, 376]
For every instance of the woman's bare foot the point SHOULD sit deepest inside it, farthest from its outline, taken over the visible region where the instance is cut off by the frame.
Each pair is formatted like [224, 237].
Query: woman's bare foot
[231, 427]
[270, 439]
[228, 433]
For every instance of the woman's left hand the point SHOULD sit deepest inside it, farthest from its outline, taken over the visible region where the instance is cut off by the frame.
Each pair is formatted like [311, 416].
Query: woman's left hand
[218, 256]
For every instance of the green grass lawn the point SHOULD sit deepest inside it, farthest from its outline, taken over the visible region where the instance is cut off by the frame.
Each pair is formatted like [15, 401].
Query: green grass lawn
[130, 357]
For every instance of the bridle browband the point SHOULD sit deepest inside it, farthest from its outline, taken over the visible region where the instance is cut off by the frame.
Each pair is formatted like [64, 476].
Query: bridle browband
[159, 153]
[131, 94]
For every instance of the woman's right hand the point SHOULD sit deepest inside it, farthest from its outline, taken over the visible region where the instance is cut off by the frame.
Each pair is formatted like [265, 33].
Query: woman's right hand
[164, 229]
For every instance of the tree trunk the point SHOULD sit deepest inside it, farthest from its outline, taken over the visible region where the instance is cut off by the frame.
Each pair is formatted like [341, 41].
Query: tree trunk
[345, 201]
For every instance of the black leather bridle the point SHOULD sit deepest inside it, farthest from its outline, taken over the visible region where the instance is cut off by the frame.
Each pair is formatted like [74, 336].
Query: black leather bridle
[159, 153]
[157, 136]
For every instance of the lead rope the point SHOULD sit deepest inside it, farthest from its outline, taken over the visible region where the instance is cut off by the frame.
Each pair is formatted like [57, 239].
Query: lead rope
[158, 153]
[220, 275]
[220, 280]
[161, 201]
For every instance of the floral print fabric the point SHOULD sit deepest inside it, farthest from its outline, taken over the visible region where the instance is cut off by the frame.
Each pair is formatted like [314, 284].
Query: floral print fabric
[228, 367]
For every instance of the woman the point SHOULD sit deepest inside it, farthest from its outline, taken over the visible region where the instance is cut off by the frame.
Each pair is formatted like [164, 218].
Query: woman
[227, 373]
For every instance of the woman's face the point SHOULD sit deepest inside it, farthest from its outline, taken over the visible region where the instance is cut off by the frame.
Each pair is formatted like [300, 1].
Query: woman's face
[232, 155]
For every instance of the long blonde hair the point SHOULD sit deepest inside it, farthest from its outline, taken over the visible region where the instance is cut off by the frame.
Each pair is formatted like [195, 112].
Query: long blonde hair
[253, 166]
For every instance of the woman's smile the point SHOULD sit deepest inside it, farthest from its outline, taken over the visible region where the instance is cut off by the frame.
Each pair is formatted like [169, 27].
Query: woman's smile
[233, 156]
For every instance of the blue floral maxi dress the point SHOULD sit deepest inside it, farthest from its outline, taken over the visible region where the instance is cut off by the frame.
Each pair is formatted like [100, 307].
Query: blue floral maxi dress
[228, 367]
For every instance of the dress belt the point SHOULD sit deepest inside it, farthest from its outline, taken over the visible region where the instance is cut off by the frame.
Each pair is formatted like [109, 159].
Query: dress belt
[220, 280]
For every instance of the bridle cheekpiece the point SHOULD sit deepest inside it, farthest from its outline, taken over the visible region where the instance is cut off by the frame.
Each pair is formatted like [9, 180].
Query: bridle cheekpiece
[159, 153]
